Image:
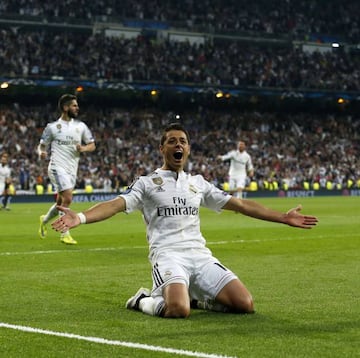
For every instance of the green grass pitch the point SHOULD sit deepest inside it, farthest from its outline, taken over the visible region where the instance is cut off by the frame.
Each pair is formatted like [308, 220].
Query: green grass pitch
[305, 283]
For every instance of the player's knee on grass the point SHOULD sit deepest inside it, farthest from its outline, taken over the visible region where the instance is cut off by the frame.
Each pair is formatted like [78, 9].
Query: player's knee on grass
[249, 305]
[236, 297]
[177, 310]
[243, 304]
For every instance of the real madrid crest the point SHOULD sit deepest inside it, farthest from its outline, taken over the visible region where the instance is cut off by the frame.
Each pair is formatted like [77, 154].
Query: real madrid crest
[58, 127]
[157, 181]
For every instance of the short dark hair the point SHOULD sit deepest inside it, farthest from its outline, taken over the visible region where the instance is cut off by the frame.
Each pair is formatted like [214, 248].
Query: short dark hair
[65, 99]
[176, 126]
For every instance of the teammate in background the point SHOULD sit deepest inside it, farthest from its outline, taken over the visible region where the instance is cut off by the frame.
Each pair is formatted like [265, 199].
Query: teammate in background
[240, 167]
[5, 181]
[67, 137]
[182, 266]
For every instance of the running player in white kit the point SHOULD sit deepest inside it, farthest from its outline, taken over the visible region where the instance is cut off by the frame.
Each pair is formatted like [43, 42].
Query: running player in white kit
[67, 137]
[5, 181]
[183, 269]
[240, 167]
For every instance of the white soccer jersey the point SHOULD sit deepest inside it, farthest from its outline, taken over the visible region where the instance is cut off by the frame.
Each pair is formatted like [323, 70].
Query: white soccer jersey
[63, 137]
[5, 172]
[170, 203]
[240, 163]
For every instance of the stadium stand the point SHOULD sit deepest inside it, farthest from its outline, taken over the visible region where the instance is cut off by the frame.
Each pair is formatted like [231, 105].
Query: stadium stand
[297, 19]
[282, 45]
[290, 150]
[43, 54]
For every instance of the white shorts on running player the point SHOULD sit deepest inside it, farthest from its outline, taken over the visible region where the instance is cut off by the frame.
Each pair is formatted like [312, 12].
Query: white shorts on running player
[236, 182]
[61, 179]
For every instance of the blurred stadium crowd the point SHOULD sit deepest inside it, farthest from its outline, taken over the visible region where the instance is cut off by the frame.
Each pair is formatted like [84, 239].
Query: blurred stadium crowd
[93, 57]
[298, 18]
[43, 53]
[288, 150]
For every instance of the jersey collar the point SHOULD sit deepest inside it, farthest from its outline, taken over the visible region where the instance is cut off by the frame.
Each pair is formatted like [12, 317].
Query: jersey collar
[170, 173]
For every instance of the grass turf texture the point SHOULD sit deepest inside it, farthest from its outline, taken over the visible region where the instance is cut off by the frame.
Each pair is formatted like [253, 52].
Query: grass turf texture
[305, 284]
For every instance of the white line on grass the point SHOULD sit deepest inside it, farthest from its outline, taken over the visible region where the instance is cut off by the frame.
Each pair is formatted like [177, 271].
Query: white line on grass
[112, 342]
[223, 242]
[42, 252]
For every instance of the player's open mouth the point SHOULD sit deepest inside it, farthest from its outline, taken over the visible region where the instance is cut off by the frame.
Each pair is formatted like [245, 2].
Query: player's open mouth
[178, 155]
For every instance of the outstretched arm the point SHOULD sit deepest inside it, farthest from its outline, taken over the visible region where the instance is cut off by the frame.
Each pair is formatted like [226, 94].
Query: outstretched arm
[258, 211]
[98, 212]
